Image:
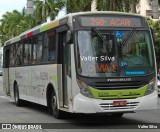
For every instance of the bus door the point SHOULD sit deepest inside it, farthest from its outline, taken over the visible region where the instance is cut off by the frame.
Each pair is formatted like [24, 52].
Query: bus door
[65, 81]
[6, 87]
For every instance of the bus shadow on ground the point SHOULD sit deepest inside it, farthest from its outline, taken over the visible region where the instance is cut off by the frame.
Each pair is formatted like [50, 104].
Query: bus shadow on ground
[85, 119]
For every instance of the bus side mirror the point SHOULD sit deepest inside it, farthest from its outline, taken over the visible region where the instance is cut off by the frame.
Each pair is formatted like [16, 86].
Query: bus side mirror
[152, 35]
[69, 37]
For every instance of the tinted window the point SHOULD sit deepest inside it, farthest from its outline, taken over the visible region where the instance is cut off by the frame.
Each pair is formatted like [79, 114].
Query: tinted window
[12, 55]
[49, 46]
[18, 55]
[27, 52]
[37, 49]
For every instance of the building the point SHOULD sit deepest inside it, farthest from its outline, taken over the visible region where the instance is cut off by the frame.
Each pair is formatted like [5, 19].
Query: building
[149, 8]
[29, 9]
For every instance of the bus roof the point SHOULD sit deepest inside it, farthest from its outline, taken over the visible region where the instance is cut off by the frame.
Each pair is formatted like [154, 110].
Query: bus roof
[105, 12]
[55, 23]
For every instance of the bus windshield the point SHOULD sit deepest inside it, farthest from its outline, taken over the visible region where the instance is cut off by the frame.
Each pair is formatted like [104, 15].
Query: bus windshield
[133, 57]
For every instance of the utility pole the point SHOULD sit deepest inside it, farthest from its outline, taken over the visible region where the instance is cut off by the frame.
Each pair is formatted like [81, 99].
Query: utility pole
[29, 10]
[155, 11]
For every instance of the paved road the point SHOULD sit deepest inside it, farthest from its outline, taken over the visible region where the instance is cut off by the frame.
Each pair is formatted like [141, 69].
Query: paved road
[34, 113]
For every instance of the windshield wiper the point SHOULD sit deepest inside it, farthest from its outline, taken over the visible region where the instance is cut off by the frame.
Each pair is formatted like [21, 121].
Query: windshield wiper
[101, 36]
[128, 37]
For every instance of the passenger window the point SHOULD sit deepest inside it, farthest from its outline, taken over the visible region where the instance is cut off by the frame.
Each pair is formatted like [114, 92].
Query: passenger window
[27, 52]
[49, 46]
[18, 56]
[37, 49]
[12, 56]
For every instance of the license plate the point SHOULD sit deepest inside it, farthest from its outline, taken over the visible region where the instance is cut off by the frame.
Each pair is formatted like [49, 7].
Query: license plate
[120, 103]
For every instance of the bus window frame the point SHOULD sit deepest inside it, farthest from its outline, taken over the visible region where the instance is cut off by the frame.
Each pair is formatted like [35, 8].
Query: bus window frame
[56, 48]
[35, 36]
[24, 42]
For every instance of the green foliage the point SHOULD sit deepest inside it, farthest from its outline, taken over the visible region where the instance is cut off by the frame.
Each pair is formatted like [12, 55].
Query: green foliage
[15, 22]
[78, 5]
[47, 9]
[102, 5]
[155, 25]
[150, 22]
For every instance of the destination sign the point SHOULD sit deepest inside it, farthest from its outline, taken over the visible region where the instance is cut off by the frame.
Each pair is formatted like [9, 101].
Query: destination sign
[108, 21]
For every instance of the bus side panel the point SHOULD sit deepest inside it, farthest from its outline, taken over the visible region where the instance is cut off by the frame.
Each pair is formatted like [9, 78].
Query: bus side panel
[40, 77]
[11, 81]
[48, 75]
[21, 80]
[5, 81]
[33, 82]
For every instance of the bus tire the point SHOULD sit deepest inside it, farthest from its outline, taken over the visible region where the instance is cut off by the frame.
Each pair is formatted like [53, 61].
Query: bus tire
[16, 96]
[58, 114]
[117, 115]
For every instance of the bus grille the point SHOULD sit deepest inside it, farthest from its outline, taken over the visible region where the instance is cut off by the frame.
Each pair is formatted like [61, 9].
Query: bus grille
[117, 85]
[109, 106]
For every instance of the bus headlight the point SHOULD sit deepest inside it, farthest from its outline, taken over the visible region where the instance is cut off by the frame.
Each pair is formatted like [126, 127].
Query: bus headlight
[151, 87]
[84, 89]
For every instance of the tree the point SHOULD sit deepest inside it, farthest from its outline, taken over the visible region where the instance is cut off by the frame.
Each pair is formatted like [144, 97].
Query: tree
[47, 9]
[133, 5]
[78, 5]
[15, 22]
[155, 25]
[102, 5]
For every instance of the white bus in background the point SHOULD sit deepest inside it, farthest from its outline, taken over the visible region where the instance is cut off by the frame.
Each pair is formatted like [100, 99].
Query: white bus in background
[88, 62]
[1, 61]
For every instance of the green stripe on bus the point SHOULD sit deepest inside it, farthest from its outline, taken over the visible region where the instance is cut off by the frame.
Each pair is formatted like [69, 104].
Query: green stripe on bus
[44, 28]
[118, 94]
[49, 26]
[54, 78]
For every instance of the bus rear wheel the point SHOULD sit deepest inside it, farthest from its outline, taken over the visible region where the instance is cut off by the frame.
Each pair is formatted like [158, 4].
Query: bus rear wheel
[58, 114]
[16, 96]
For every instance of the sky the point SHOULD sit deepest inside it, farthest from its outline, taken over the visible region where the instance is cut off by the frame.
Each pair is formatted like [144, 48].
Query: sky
[10, 5]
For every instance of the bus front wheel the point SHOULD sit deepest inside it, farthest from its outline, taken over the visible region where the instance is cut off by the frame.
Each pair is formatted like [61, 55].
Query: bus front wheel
[54, 106]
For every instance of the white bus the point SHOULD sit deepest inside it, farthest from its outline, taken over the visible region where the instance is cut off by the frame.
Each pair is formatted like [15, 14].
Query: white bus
[88, 62]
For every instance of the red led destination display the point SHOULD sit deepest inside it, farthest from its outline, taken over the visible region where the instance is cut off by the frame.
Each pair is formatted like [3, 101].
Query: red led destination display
[108, 21]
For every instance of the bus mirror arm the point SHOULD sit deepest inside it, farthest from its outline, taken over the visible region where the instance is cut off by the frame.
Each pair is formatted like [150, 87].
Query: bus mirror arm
[69, 37]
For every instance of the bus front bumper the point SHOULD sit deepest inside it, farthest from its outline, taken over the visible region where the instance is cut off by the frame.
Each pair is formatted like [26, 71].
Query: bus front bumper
[86, 105]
